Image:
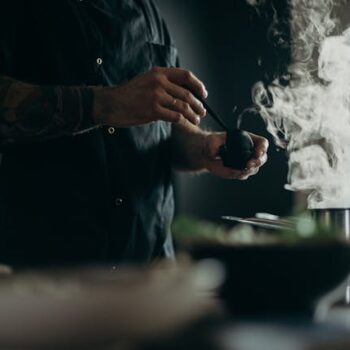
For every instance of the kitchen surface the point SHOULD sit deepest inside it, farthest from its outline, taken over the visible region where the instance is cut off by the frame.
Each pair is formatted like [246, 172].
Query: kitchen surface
[244, 287]
[163, 307]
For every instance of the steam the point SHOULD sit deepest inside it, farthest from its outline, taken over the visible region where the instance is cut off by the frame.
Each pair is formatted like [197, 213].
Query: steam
[254, 2]
[308, 110]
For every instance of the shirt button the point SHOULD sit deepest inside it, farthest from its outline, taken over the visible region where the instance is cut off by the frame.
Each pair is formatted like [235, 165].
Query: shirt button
[111, 130]
[99, 61]
[118, 202]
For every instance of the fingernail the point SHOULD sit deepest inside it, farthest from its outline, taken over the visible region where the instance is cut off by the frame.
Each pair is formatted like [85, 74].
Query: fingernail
[198, 120]
[205, 93]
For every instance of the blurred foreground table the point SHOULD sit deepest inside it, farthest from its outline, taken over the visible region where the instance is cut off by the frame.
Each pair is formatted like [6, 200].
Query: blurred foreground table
[160, 308]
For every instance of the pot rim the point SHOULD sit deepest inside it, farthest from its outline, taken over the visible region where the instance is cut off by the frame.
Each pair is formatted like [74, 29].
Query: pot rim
[329, 209]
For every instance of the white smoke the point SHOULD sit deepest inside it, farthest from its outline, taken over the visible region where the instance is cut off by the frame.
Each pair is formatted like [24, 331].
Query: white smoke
[310, 116]
[254, 2]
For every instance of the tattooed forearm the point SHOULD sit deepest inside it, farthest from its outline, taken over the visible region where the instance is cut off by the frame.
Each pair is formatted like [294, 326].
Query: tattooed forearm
[34, 113]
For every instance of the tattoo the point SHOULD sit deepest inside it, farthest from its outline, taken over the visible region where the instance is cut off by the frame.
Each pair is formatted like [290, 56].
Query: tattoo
[34, 113]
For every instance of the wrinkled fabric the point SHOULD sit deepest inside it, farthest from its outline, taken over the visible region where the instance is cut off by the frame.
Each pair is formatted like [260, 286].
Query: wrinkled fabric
[60, 199]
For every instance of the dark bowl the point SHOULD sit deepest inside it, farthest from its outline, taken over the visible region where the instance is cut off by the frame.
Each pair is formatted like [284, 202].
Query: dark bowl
[276, 279]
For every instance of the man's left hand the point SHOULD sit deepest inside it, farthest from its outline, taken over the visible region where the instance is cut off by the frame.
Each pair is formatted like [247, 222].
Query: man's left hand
[213, 162]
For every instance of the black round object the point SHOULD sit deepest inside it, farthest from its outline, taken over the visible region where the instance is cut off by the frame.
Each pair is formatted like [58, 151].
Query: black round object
[237, 150]
[277, 279]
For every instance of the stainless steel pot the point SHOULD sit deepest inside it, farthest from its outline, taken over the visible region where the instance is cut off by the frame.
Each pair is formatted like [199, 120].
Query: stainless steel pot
[334, 218]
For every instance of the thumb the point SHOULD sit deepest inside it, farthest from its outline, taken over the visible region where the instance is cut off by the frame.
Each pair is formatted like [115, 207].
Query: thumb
[214, 142]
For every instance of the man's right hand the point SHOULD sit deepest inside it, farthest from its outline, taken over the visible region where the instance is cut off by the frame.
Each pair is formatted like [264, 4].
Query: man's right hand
[161, 94]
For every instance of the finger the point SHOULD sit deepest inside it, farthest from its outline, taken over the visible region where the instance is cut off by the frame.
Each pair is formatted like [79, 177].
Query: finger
[187, 79]
[247, 175]
[257, 162]
[263, 159]
[168, 115]
[260, 151]
[180, 93]
[254, 171]
[227, 173]
[252, 164]
[261, 145]
[184, 108]
[216, 140]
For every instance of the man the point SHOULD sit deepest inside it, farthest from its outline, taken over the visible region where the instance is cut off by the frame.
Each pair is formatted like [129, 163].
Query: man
[92, 120]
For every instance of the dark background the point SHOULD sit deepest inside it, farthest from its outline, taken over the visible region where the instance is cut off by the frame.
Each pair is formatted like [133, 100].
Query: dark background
[230, 46]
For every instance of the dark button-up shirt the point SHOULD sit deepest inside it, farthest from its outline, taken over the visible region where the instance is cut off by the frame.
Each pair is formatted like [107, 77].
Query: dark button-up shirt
[100, 196]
